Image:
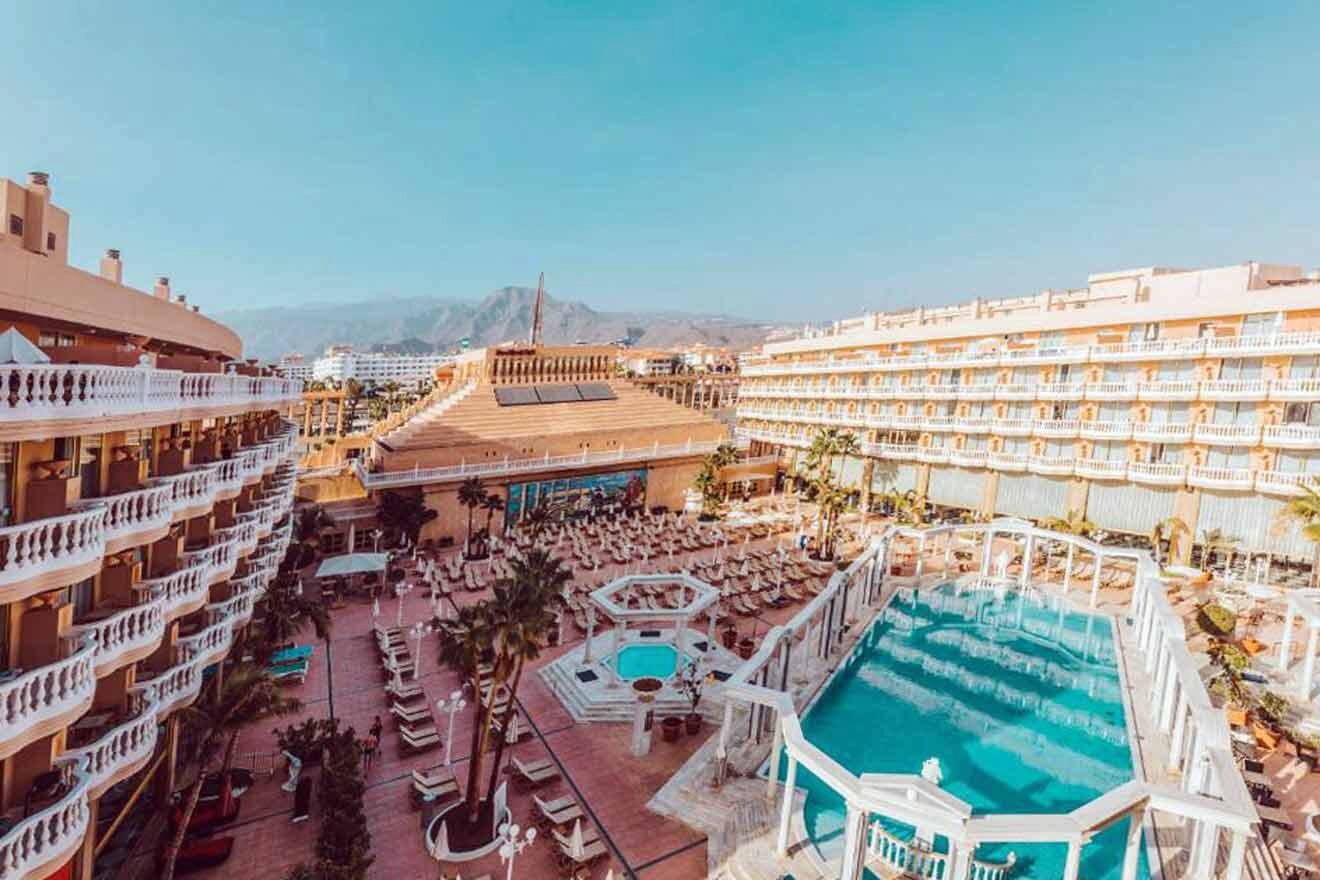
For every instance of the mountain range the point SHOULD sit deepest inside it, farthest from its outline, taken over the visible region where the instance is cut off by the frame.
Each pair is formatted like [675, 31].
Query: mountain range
[421, 325]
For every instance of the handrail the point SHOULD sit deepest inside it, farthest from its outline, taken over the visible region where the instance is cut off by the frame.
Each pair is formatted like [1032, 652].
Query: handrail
[50, 833]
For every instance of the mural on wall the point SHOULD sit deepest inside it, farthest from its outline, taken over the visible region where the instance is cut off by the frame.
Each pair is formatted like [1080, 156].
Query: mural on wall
[577, 495]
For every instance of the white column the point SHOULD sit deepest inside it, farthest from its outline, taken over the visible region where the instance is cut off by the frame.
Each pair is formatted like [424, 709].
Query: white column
[591, 633]
[614, 655]
[1285, 646]
[786, 808]
[772, 777]
[962, 859]
[985, 552]
[1179, 731]
[1237, 852]
[854, 844]
[1028, 557]
[1131, 855]
[1067, 572]
[921, 556]
[1205, 847]
[1168, 700]
[1095, 580]
[1308, 669]
[710, 633]
[1074, 862]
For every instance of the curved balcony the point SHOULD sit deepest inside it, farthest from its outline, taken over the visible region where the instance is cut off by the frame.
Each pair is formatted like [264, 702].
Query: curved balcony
[43, 393]
[1064, 429]
[1171, 390]
[228, 477]
[1157, 473]
[182, 592]
[941, 424]
[208, 645]
[235, 611]
[1236, 479]
[1234, 389]
[1104, 430]
[967, 457]
[174, 688]
[194, 491]
[126, 636]
[217, 561]
[890, 450]
[120, 753]
[1007, 461]
[1098, 469]
[1011, 427]
[46, 699]
[1295, 389]
[137, 517]
[1161, 432]
[1287, 483]
[1051, 465]
[907, 423]
[1227, 435]
[1111, 391]
[41, 843]
[252, 463]
[1293, 436]
[1298, 342]
[932, 454]
[48, 553]
[1015, 391]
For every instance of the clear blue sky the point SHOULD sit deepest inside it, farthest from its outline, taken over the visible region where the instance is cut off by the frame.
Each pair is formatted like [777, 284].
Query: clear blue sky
[766, 159]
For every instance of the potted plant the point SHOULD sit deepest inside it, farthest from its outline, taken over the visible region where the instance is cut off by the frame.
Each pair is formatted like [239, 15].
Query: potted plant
[746, 647]
[690, 683]
[669, 728]
[306, 741]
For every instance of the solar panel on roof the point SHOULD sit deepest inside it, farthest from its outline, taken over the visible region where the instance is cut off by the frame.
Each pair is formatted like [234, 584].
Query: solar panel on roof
[557, 393]
[515, 395]
[595, 391]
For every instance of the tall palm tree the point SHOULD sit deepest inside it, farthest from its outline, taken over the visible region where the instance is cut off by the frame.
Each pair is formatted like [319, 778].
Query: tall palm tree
[470, 495]
[247, 695]
[492, 503]
[1171, 529]
[406, 512]
[1074, 523]
[466, 640]
[287, 613]
[1305, 509]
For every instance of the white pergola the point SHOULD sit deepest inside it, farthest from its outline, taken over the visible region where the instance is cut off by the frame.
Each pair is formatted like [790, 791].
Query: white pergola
[1306, 605]
[695, 598]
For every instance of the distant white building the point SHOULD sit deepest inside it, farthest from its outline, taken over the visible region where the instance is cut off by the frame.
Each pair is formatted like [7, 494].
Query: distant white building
[648, 363]
[341, 363]
[294, 366]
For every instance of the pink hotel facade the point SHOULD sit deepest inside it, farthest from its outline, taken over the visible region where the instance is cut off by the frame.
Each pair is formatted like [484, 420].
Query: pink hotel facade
[146, 483]
[1147, 394]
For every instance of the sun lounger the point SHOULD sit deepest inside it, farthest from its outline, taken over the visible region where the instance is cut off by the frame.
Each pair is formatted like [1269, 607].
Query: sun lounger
[561, 811]
[411, 714]
[437, 783]
[290, 655]
[591, 851]
[405, 692]
[536, 772]
[286, 672]
[418, 740]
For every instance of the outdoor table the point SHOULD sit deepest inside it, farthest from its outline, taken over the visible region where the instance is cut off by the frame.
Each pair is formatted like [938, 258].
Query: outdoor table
[1274, 816]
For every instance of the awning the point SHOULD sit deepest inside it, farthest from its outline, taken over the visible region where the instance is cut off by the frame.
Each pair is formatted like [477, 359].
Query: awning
[351, 563]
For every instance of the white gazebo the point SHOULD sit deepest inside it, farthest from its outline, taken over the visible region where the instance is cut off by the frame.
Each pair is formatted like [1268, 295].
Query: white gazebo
[695, 598]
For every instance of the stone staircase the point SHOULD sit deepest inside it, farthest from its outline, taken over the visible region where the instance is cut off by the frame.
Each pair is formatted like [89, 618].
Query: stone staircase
[617, 705]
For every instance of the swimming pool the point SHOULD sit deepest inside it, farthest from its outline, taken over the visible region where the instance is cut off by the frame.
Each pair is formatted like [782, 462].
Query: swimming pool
[655, 661]
[1020, 703]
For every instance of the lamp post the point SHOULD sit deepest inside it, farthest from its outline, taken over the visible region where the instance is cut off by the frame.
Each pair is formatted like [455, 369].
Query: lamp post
[419, 629]
[514, 844]
[376, 535]
[401, 589]
[453, 706]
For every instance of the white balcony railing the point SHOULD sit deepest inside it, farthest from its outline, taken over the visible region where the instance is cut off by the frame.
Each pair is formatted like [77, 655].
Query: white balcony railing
[976, 392]
[135, 513]
[972, 424]
[120, 752]
[47, 546]
[1051, 465]
[1227, 435]
[932, 454]
[124, 635]
[1219, 477]
[1303, 342]
[1168, 390]
[1293, 436]
[42, 392]
[1007, 461]
[49, 837]
[1234, 389]
[182, 592]
[1015, 391]
[1096, 429]
[1099, 469]
[1060, 428]
[1111, 391]
[1060, 391]
[1161, 432]
[48, 693]
[1012, 427]
[1283, 483]
[1157, 473]
[1295, 389]
[968, 457]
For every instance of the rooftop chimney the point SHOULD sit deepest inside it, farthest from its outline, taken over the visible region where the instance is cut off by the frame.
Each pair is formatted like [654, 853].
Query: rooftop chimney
[111, 269]
[34, 220]
[182, 299]
[162, 289]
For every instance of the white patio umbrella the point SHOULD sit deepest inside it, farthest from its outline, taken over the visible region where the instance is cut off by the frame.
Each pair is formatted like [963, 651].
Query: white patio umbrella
[440, 849]
[576, 848]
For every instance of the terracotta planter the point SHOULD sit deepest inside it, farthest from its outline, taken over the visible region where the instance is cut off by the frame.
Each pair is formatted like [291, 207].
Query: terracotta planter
[729, 637]
[692, 723]
[746, 648]
[670, 728]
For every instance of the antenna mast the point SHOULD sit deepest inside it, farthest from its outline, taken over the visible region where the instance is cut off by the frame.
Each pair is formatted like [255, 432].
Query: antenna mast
[538, 312]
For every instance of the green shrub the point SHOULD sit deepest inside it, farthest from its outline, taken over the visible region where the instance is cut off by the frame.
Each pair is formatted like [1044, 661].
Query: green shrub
[1217, 620]
[1272, 707]
[1230, 656]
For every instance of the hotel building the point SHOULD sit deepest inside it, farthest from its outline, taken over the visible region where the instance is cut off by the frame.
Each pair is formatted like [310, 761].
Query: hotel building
[1149, 393]
[341, 363]
[145, 488]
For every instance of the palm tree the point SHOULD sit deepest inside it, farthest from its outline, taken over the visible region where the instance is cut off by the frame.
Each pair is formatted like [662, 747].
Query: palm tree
[471, 492]
[1214, 540]
[312, 521]
[1172, 529]
[1305, 509]
[465, 641]
[406, 512]
[492, 504]
[287, 612]
[247, 695]
[1074, 523]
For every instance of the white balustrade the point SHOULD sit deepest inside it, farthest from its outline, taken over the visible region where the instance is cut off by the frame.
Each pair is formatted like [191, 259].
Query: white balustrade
[131, 629]
[182, 592]
[141, 510]
[1162, 432]
[1284, 482]
[119, 752]
[1063, 428]
[1234, 389]
[1008, 461]
[1293, 436]
[1227, 435]
[48, 692]
[1219, 477]
[1097, 429]
[50, 545]
[1098, 469]
[1157, 473]
[51, 835]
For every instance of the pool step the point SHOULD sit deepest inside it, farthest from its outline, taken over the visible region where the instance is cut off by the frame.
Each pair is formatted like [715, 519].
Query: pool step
[614, 707]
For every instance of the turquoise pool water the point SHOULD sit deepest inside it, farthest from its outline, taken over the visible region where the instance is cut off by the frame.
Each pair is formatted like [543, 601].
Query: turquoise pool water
[640, 661]
[1020, 703]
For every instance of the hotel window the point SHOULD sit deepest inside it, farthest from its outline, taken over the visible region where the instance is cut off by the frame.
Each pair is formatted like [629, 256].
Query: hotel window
[1237, 412]
[4, 638]
[980, 409]
[1024, 376]
[67, 449]
[90, 466]
[1018, 409]
[1229, 457]
[1168, 453]
[15, 224]
[1062, 372]
[1066, 410]
[1302, 414]
[1304, 367]
[50, 241]
[1241, 369]
[1262, 324]
[975, 443]
[1176, 371]
[1118, 373]
[83, 596]
[1143, 332]
[1108, 450]
[1015, 446]
[1056, 448]
[1171, 413]
[1113, 411]
[1052, 341]
[1298, 463]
